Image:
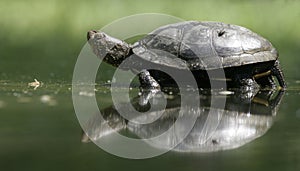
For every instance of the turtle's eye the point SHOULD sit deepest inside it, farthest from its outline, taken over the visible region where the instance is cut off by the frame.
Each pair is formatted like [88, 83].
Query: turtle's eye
[221, 33]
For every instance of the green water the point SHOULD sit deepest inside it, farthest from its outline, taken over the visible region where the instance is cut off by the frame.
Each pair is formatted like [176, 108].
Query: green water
[39, 131]
[42, 39]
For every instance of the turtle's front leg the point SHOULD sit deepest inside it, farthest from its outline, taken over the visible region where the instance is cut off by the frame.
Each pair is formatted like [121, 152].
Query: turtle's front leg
[147, 81]
[149, 87]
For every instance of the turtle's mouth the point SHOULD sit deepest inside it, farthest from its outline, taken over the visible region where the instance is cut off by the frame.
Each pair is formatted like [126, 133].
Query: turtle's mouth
[90, 34]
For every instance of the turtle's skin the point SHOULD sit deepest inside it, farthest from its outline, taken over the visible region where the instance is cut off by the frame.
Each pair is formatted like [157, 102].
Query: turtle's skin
[201, 47]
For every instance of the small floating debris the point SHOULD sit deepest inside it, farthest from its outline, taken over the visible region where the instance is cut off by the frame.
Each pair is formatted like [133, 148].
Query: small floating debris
[48, 100]
[34, 84]
[24, 99]
[16, 94]
[226, 92]
[298, 113]
[85, 138]
[2, 104]
[85, 93]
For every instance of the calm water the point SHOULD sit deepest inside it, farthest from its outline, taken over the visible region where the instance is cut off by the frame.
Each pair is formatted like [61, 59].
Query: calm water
[42, 39]
[39, 131]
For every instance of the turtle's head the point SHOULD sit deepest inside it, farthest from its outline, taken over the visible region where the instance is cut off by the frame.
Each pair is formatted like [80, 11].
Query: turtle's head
[111, 50]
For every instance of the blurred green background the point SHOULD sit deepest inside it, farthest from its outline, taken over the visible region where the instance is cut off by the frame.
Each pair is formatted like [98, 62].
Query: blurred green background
[42, 39]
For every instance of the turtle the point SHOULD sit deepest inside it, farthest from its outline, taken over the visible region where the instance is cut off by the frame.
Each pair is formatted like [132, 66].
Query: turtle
[246, 58]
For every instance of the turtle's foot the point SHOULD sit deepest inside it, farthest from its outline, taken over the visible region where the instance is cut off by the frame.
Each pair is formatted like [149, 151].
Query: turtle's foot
[147, 81]
[149, 87]
[248, 84]
[146, 95]
[247, 89]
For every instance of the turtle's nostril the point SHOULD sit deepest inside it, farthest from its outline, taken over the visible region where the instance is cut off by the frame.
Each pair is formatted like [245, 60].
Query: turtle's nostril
[90, 34]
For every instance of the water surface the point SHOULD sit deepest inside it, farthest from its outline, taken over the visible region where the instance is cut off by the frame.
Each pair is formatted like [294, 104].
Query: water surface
[39, 130]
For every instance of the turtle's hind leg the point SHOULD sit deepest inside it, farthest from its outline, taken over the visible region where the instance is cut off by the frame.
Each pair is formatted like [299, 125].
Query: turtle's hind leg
[277, 72]
[266, 82]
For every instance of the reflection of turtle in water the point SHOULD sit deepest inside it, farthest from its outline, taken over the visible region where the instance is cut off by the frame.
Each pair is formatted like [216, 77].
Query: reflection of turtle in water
[198, 46]
[215, 128]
